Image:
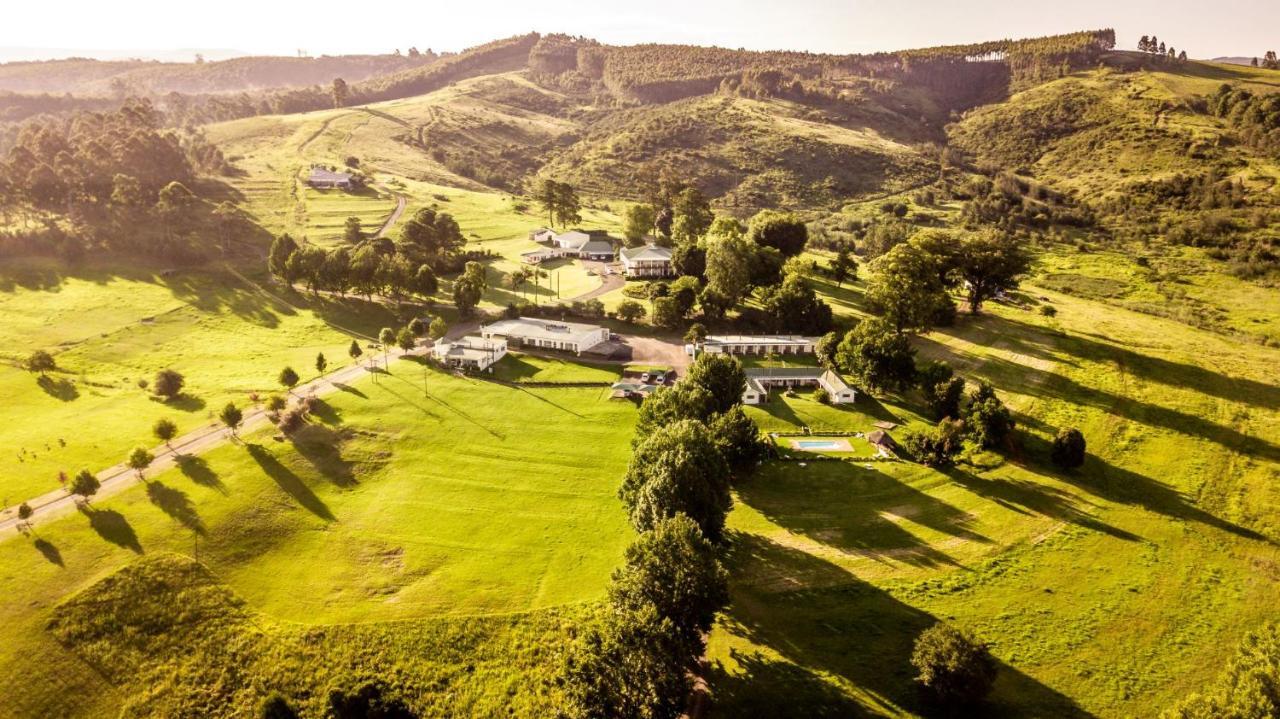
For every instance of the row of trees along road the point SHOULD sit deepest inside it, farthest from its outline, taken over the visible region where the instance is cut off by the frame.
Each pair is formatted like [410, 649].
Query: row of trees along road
[691, 441]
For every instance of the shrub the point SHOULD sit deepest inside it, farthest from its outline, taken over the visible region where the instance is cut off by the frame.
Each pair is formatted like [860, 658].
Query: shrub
[1068, 448]
[955, 669]
[1048, 310]
[822, 396]
[168, 384]
[936, 446]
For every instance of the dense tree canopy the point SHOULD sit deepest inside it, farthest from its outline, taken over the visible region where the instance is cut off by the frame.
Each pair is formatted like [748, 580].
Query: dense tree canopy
[674, 569]
[877, 356]
[678, 469]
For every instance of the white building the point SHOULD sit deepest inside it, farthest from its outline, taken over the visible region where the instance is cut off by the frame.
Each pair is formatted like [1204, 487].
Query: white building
[328, 179]
[646, 261]
[759, 344]
[471, 352]
[761, 379]
[547, 334]
[574, 243]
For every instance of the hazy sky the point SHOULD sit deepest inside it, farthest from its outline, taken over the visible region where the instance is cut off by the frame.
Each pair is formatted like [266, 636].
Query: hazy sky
[1223, 27]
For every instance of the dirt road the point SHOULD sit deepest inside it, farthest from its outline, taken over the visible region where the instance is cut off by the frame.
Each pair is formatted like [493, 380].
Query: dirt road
[120, 477]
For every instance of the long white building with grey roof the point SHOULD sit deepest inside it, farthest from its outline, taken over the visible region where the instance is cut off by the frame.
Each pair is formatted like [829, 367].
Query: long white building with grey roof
[573, 337]
[759, 344]
[762, 379]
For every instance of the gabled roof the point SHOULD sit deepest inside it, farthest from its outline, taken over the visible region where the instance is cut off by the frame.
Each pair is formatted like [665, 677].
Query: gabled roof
[647, 252]
[881, 437]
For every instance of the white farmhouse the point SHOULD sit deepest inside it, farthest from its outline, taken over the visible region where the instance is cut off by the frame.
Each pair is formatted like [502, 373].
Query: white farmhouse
[646, 261]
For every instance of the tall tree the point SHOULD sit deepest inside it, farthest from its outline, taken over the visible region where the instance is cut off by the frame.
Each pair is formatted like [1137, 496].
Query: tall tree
[692, 216]
[905, 288]
[877, 355]
[781, 231]
[721, 375]
[990, 263]
[843, 266]
[231, 416]
[341, 93]
[84, 484]
[673, 569]
[729, 261]
[632, 665]
[678, 469]
[351, 230]
[638, 222]
[139, 459]
[282, 248]
[568, 208]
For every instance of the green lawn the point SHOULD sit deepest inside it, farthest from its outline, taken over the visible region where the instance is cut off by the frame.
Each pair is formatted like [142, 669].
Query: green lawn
[469, 499]
[520, 367]
[1111, 591]
[109, 328]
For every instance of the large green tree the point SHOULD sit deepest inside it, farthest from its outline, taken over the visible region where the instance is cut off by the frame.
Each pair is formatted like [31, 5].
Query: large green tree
[990, 263]
[673, 569]
[955, 669]
[678, 469]
[877, 356]
[794, 308]
[630, 665]
[905, 288]
[637, 223]
[721, 375]
[729, 264]
[779, 230]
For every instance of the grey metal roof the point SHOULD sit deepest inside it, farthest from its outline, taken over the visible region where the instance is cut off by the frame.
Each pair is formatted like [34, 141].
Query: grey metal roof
[320, 174]
[647, 252]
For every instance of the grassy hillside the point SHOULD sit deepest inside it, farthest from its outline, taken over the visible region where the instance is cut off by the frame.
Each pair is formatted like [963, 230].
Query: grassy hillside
[81, 76]
[450, 535]
[333, 555]
[748, 153]
[1110, 591]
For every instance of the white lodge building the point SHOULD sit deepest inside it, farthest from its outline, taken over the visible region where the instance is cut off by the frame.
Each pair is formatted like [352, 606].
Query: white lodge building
[546, 334]
[760, 380]
[471, 352]
[646, 261]
[759, 344]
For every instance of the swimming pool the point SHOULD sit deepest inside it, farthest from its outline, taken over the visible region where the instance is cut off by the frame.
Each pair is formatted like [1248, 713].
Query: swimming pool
[816, 444]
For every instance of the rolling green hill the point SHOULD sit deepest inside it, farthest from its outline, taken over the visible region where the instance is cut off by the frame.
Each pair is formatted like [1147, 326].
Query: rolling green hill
[450, 536]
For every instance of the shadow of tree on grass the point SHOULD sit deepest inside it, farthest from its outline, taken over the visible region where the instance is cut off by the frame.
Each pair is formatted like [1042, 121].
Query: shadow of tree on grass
[197, 469]
[113, 527]
[176, 504]
[824, 620]
[49, 551]
[290, 482]
[59, 388]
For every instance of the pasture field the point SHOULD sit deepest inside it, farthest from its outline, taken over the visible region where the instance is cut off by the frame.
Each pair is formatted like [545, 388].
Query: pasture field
[394, 507]
[1113, 590]
[108, 328]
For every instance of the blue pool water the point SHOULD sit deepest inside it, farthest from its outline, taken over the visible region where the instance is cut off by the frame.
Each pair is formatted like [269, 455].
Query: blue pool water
[817, 444]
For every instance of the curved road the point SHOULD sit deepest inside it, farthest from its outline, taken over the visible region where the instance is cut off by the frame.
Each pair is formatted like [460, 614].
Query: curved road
[395, 214]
